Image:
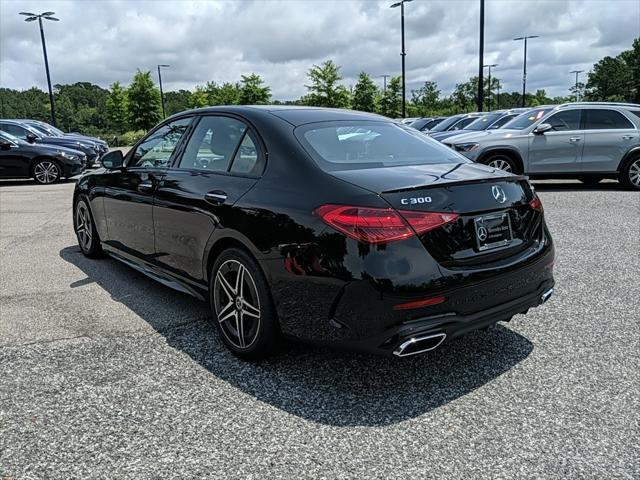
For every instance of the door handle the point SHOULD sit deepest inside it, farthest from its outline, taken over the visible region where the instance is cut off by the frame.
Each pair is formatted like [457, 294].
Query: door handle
[146, 186]
[575, 139]
[217, 197]
[627, 137]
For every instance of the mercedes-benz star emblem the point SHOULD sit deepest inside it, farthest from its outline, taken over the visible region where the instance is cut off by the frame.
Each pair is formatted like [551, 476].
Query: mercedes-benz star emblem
[498, 194]
[482, 233]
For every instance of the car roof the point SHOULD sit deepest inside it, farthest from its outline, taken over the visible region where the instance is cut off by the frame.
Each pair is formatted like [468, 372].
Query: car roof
[295, 115]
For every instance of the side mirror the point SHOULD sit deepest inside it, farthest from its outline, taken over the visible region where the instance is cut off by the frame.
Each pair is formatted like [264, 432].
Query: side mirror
[113, 160]
[5, 146]
[543, 127]
[31, 138]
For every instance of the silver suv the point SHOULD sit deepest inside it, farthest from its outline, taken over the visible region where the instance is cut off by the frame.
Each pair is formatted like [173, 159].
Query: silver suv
[588, 141]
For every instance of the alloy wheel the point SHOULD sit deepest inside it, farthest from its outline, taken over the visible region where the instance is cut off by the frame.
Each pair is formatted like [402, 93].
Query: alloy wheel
[46, 172]
[634, 173]
[501, 164]
[83, 226]
[236, 304]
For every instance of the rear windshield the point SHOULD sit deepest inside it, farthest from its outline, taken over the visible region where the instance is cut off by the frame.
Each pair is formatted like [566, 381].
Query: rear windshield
[446, 123]
[359, 145]
[527, 118]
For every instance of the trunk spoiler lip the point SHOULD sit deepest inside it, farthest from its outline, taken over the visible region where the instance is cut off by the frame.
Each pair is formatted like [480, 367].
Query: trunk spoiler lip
[510, 178]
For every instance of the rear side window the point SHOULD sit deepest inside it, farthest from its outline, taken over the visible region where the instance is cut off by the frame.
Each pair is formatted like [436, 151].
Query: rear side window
[351, 146]
[564, 121]
[605, 120]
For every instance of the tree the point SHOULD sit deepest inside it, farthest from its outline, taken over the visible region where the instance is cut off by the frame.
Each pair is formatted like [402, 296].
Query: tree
[198, 98]
[391, 101]
[365, 94]
[464, 96]
[225, 94]
[616, 78]
[117, 109]
[175, 102]
[144, 101]
[425, 99]
[325, 89]
[253, 91]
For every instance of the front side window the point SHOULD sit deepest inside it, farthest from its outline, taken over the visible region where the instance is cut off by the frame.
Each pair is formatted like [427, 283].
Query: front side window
[564, 121]
[502, 121]
[15, 130]
[350, 146]
[605, 120]
[156, 150]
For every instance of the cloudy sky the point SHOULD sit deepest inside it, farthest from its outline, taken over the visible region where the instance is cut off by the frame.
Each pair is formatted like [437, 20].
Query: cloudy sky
[104, 41]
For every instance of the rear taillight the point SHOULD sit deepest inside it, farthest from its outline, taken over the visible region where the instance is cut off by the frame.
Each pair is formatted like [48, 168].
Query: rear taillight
[380, 225]
[536, 204]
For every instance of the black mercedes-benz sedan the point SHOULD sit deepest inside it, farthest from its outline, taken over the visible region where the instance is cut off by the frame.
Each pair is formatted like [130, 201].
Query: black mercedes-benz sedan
[330, 226]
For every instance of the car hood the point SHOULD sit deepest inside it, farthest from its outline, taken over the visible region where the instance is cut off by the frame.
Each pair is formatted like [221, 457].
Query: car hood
[497, 134]
[54, 149]
[408, 177]
[67, 142]
[85, 139]
[453, 133]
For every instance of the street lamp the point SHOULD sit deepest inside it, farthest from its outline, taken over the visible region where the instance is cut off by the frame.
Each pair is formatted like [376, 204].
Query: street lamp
[481, 60]
[577, 72]
[32, 17]
[160, 82]
[524, 71]
[489, 79]
[403, 54]
[384, 79]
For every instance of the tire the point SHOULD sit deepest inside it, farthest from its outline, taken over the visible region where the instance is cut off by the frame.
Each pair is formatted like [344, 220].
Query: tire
[590, 180]
[46, 172]
[85, 229]
[630, 174]
[246, 321]
[501, 162]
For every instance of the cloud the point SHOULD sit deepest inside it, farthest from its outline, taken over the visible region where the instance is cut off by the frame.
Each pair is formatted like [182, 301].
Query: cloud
[104, 41]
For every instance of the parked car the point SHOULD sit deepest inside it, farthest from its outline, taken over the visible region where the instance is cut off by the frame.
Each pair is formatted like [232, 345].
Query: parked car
[24, 131]
[44, 163]
[587, 141]
[52, 131]
[426, 123]
[488, 121]
[332, 226]
[454, 122]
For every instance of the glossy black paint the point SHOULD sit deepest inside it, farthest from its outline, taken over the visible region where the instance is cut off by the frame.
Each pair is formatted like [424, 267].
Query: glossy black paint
[18, 157]
[327, 287]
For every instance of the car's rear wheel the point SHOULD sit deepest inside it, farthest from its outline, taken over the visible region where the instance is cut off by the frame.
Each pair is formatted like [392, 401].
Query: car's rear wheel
[501, 162]
[242, 307]
[46, 172]
[630, 174]
[590, 180]
[85, 229]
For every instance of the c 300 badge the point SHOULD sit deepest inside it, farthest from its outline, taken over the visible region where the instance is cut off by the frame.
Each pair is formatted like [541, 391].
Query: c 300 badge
[415, 200]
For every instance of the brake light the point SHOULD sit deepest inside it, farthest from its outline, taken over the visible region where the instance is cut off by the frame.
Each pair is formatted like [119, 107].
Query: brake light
[536, 204]
[427, 302]
[380, 225]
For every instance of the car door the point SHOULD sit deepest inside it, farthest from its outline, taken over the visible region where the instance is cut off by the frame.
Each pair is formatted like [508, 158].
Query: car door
[558, 150]
[14, 162]
[220, 162]
[608, 137]
[129, 192]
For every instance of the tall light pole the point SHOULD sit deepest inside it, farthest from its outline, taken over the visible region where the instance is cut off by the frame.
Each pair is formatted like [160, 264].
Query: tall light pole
[384, 80]
[577, 72]
[403, 54]
[489, 80]
[160, 82]
[32, 17]
[498, 96]
[524, 68]
[481, 60]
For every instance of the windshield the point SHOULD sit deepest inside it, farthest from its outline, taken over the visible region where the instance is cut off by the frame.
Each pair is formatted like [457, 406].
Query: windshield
[352, 146]
[446, 123]
[502, 121]
[40, 129]
[7, 137]
[527, 118]
[483, 122]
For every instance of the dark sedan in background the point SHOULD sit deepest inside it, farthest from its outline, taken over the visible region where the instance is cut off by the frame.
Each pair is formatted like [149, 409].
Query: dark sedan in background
[44, 163]
[50, 130]
[325, 225]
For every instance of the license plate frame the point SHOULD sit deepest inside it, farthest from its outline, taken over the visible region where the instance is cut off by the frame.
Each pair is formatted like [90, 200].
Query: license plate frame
[493, 238]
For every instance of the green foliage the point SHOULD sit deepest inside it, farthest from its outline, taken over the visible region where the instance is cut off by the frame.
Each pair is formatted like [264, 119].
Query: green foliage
[130, 138]
[117, 109]
[391, 101]
[325, 89]
[175, 102]
[144, 101]
[199, 98]
[225, 94]
[616, 78]
[365, 94]
[425, 100]
[253, 91]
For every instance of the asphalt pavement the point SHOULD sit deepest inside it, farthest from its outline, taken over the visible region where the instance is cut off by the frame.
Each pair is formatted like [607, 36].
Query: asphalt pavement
[107, 374]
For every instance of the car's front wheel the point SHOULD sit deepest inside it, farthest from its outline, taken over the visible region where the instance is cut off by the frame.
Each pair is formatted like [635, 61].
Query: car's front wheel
[501, 162]
[85, 229]
[630, 174]
[241, 305]
[46, 172]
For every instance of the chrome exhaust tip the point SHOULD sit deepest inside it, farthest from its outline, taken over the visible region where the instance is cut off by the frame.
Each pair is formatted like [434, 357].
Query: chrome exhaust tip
[546, 295]
[417, 345]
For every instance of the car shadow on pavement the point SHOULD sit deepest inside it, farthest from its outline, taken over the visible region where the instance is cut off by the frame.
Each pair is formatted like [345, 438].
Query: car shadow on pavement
[318, 384]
